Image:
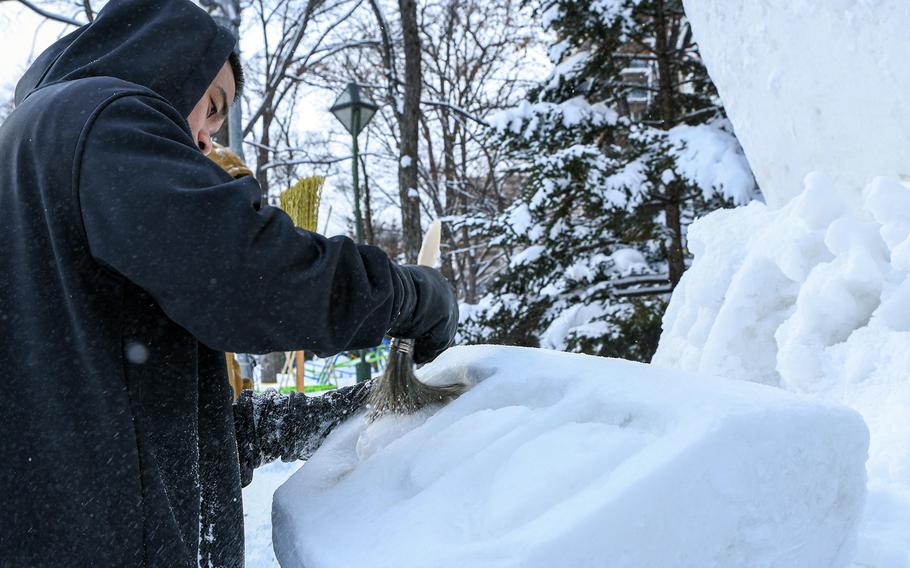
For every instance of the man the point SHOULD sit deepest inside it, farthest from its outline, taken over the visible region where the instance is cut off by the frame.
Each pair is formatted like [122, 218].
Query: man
[128, 263]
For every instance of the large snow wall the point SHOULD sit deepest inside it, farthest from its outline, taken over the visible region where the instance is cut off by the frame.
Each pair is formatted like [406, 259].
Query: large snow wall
[811, 85]
[555, 459]
[811, 292]
[815, 298]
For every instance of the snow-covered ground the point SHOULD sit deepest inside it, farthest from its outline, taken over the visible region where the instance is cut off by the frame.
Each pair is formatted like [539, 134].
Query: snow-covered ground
[555, 459]
[257, 512]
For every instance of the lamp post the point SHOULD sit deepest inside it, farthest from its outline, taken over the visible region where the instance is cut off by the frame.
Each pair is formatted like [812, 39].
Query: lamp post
[354, 109]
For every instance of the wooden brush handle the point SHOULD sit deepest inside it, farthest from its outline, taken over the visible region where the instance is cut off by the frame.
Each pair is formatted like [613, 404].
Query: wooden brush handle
[430, 248]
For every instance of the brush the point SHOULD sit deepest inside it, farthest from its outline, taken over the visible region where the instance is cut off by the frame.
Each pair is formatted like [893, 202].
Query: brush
[301, 201]
[398, 390]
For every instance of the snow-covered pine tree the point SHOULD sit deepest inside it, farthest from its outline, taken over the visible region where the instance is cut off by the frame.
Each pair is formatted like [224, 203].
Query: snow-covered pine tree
[618, 151]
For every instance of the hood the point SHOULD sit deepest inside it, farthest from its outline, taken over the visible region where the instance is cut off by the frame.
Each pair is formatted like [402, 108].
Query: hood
[172, 47]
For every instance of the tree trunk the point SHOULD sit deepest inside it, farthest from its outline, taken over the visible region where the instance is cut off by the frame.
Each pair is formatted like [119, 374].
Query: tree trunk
[262, 154]
[449, 183]
[675, 255]
[469, 272]
[408, 124]
[368, 234]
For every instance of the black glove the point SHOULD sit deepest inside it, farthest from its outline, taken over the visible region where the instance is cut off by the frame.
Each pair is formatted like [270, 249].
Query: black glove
[271, 426]
[429, 311]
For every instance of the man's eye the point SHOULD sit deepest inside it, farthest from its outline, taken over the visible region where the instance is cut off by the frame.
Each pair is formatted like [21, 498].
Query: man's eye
[212, 110]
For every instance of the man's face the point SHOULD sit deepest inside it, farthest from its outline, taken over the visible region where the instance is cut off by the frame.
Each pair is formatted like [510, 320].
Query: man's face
[211, 110]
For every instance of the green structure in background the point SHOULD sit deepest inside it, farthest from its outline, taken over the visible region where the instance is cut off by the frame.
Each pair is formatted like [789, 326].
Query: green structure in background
[354, 109]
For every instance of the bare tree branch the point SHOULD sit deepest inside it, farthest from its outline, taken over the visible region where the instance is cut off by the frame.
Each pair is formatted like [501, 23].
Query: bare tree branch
[457, 110]
[320, 161]
[49, 15]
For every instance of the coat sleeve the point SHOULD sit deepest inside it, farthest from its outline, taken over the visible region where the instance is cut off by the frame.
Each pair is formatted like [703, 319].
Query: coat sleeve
[238, 275]
[290, 427]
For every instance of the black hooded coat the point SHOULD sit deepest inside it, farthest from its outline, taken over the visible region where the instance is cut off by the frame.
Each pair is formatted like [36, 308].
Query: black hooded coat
[127, 261]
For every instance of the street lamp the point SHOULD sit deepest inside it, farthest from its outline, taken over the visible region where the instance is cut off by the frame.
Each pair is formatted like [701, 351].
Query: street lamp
[354, 109]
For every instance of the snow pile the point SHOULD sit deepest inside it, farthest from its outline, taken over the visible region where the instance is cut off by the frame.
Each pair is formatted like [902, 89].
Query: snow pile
[812, 293]
[813, 297]
[570, 66]
[555, 459]
[811, 85]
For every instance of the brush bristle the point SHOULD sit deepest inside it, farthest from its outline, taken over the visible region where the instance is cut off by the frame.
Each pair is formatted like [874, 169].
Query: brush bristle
[301, 201]
[398, 390]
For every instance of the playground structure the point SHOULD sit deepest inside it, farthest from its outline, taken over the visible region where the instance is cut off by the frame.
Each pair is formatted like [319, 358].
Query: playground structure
[319, 374]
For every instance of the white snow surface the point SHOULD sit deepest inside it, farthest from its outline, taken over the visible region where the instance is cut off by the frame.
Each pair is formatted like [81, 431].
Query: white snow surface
[573, 319]
[812, 292]
[811, 85]
[528, 255]
[708, 156]
[556, 459]
[815, 298]
[257, 512]
[525, 118]
[629, 260]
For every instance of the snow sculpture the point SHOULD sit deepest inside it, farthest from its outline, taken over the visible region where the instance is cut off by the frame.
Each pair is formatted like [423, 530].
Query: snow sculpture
[812, 292]
[556, 459]
[811, 85]
[815, 298]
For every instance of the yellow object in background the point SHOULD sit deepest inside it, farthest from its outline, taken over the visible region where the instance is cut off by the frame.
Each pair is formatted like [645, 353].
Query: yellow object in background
[301, 201]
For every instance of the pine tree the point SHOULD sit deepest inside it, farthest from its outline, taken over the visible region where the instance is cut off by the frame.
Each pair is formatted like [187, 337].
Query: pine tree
[618, 151]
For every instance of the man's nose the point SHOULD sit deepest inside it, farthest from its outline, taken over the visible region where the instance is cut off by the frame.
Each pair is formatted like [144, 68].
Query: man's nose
[204, 141]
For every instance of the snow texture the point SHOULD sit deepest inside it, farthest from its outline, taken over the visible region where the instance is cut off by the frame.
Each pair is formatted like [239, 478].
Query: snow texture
[629, 261]
[555, 459]
[813, 297]
[528, 255]
[578, 318]
[812, 293]
[709, 156]
[526, 117]
[257, 512]
[811, 85]
[567, 69]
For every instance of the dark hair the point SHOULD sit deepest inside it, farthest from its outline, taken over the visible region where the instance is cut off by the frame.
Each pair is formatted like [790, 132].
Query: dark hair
[237, 69]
